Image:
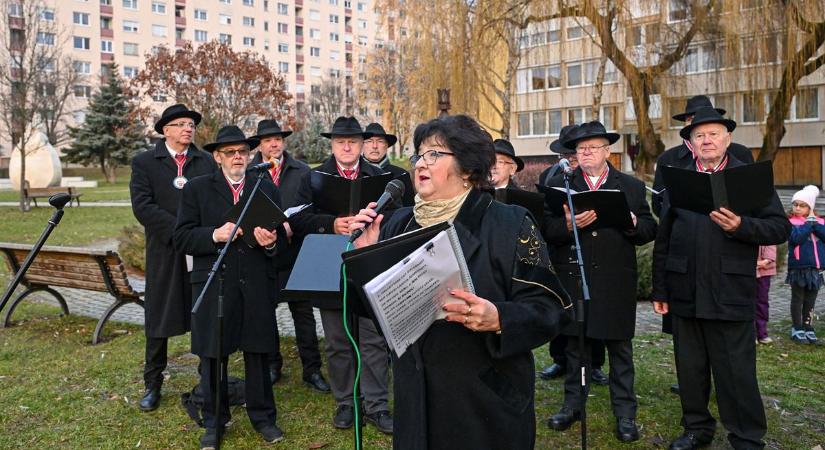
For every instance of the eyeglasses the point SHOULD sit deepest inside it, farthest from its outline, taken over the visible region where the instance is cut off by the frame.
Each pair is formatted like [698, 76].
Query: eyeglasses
[182, 125]
[503, 163]
[713, 135]
[590, 148]
[430, 157]
[242, 152]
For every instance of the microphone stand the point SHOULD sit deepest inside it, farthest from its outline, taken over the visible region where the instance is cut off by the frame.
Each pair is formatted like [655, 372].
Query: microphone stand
[581, 301]
[218, 264]
[58, 201]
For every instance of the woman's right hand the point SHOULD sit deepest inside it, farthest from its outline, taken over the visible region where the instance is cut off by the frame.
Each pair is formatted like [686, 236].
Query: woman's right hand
[369, 218]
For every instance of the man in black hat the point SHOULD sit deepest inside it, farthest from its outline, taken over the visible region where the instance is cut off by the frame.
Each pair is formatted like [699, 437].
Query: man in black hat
[704, 268]
[563, 152]
[375, 151]
[506, 166]
[157, 179]
[286, 173]
[249, 317]
[347, 140]
[609, 255]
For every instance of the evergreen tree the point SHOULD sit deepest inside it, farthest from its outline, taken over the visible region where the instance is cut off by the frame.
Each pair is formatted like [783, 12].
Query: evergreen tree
[308, 144]
[110, 135]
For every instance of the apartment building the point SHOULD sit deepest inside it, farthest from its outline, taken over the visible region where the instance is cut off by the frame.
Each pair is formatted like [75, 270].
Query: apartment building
[307, 41]
[556, 83]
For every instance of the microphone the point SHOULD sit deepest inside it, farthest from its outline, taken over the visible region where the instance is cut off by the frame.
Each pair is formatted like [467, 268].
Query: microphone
[59, 200]
[261, 167]
[564, 164]
[392, 193]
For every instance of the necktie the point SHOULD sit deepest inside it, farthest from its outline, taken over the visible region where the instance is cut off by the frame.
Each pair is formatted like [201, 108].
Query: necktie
[348, 173]
[180, 158]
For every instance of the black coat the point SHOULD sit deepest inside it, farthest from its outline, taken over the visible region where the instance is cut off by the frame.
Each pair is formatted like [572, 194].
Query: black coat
[680, 156]
[609, 258]
[168, 299]
[457, 389]
[249, 314]
[705, 273]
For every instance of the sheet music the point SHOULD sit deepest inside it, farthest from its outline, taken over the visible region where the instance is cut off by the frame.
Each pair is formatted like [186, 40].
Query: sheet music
[296, 209]
[407, 298]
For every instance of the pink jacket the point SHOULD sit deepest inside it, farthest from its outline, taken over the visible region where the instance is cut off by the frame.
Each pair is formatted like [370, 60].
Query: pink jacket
[767, 252]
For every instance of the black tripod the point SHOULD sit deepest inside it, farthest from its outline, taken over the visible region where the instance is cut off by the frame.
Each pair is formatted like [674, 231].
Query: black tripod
[58, 201]
[581, 301]
[219, 333]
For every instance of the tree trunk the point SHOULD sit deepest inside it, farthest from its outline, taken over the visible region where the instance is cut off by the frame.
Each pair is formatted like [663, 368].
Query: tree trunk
[649, 141]
[23, 204]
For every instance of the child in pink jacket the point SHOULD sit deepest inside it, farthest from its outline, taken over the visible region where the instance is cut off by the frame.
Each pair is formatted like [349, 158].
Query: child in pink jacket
[765, 269]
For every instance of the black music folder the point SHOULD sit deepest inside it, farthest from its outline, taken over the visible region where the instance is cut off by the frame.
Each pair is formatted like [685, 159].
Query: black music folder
[741, 189]
[316, 275]
[531, 201]
[610, 205]
[366, 263]
[343, 196]
[262, 212]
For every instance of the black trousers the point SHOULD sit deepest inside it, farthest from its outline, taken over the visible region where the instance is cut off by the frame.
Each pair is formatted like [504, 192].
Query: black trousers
[727, 350]
[622, 375]
[802, 307]
[260, 402]
[155, 362]
[306, 338]
[558, 347]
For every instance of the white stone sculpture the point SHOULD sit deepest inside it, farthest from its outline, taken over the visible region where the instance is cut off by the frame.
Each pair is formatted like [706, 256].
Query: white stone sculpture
[42, 163]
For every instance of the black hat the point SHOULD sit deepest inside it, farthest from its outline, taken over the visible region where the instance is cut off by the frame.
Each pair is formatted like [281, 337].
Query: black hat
[588, 130]
[269, 127]
[695, 103]
[706, 115]
[378, 131]
[565, 133]
[174, 112]
[346, 126]
[231, 134]
[504, 147]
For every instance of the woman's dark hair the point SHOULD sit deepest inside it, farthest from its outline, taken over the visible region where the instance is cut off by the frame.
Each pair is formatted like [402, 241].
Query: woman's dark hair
[471, 144]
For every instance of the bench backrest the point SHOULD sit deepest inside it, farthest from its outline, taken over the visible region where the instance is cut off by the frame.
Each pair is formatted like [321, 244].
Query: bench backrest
[47, 191]
[94, 270]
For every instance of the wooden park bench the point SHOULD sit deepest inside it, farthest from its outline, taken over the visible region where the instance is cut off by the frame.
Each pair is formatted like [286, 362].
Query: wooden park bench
[70, 267]
[35, 193]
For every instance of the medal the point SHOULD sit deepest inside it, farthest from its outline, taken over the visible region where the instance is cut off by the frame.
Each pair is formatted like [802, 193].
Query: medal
[179, 182]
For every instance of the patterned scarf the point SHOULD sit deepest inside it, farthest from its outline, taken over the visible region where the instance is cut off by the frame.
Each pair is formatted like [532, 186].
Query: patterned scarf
[431, 212]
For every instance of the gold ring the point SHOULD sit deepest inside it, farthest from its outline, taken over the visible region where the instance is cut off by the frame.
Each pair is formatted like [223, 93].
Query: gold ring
[469, 310]
[466, 319]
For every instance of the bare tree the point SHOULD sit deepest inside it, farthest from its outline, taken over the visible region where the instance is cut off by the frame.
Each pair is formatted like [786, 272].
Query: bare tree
[60, 83]
[386, 70]
[326, 101]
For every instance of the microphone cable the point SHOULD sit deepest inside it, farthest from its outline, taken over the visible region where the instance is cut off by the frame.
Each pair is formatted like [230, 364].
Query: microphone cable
[357, 423]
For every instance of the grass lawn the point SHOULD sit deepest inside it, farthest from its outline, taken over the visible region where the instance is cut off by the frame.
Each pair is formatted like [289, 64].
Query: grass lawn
[79, 226]
[104, 191]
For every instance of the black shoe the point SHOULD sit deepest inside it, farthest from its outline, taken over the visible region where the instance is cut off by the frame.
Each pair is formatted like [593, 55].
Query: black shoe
[209, 440]
[674, 388]
[563, 419]
[598, 377]
[552, 371]
[382, 420]
[344, 416]
[626, 429]
[689, 441]
[275, 374]
[150, 400]
[271, 433]
[316, 381]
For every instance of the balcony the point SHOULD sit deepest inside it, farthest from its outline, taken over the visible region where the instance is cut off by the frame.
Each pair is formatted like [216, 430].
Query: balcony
[180, 2]
[349, 65]
[106, 10]
[299, 59]
[180, 21]
[299, 39]
[107, 32]
[348, 46]
[17, 23]
[348, 29]
[106, 57]
[299, 2]
[299, 77]
[180, 42]
[299, 96]
[299, 21]
[348, 12]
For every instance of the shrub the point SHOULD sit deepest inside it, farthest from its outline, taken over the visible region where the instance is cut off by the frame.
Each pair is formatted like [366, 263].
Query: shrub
[132, 246]
[529, 176]
[644, 268]
[308, 144]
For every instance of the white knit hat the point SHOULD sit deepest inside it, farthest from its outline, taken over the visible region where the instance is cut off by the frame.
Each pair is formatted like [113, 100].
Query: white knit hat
[808, 194]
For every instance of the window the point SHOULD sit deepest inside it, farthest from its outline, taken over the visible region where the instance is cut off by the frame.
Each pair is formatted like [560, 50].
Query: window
[760, 49]
[690, 61]
[15, 10]
[130, 48]
[201, 36]
[314, 33]
[315, 71]
[248, 41]
[45, 38]
[249, 21]
[591, 71]
[333, 18]
[362, 40]
[130, 26]
[610, 117]
[676, 106]
[314, 14]
[224, 38]
[79, 18]
[283, 9]
[555, 121]
[314, 51]
[633, 37]
[47, 14]
[106, 46]
[753, 107]
[540, 122]
[334, 73]
[538, 78]
[225, 19]
[200, 14]
[538, 38]
[574, 75]
[677, 10]
[105, 23]
[159, 31]
[362, 24]
[362, 59]
[82, 67]
[334, 37]
[82, 43]
[82, 90]
[159, 7]
[726, 102]
[225, 2]
[524, 124]
[283, 28]
[554, 34]
[130, 4]
[283, 67]
[334, 55]
[106, 2]
[574, 32]
[248, 2]
[130, 71]
[806, 104]
[283, 47]
[361, 6]
[333, 2]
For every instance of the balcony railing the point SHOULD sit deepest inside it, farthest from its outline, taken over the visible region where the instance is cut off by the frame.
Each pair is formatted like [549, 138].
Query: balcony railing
[106, 10]
[107, 32]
